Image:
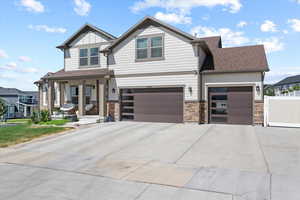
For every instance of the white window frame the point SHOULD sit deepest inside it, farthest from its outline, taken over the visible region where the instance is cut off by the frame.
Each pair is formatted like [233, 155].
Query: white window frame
[89, 65]
[149, 48]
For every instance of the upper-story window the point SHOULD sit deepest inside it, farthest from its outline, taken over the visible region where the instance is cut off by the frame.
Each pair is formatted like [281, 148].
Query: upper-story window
[149, 48]
[89, 57]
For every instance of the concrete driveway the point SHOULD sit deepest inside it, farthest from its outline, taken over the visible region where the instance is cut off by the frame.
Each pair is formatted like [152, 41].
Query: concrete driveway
[152, 161]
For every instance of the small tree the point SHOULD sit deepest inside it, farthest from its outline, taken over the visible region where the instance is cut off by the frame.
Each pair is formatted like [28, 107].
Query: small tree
[3, 108]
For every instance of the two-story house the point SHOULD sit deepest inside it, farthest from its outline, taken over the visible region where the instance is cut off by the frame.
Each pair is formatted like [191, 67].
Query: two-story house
[19, 103]
[289, 86]
[157, 73]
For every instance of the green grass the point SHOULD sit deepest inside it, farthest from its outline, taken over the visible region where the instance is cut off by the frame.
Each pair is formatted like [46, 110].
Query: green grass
[18, 120]
[24, 132]
[58, 122]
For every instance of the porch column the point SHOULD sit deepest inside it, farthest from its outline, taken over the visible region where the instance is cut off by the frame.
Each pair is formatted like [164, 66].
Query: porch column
[81, 98]
[102, 99]
[62, 94]
[50, 96]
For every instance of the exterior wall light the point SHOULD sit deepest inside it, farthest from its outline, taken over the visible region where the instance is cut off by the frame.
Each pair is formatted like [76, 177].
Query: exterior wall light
[257, 88]
[190, 90]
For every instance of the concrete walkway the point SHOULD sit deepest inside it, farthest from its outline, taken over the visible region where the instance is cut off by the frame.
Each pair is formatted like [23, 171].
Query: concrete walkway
[152, 161]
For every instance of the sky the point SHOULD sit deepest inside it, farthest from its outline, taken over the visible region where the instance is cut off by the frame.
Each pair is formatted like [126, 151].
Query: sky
[31, 29]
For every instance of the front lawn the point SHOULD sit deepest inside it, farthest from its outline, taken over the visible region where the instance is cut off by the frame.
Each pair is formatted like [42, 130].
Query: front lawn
[24, 132]
[58, 122]
[18, 120]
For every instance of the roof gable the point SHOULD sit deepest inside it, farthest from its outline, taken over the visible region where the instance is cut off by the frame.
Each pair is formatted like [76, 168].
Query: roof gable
[83, 29]
[146, 21]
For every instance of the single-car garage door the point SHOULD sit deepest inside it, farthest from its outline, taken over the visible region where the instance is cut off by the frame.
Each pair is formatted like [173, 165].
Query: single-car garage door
[231, 105]
[152, 104]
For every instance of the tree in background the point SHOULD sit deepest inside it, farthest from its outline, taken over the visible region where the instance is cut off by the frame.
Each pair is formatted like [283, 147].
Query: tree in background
[3, 108]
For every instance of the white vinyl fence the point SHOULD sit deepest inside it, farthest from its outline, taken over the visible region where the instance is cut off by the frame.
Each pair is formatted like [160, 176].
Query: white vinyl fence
[282, 111]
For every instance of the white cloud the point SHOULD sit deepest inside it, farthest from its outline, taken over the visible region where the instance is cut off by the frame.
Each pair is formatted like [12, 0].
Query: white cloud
[82, 7]
[32, 5]
[9, 66]
[29, 70]
[173, 18]
[47, 28]
[186, 5]
[272, 44]
[295, 24]
[229, 37]
[242, 24]
[297, 1]
[285, 31]
[3, 54]
[24, 59]
[268, 26]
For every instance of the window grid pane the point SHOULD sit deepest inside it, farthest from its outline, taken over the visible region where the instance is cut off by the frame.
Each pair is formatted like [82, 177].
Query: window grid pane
[83, 61]
[83, 53]
[142, 53]
[141, 43]
[94, 51]
[156, 42]
[94, 60]
[156, 52]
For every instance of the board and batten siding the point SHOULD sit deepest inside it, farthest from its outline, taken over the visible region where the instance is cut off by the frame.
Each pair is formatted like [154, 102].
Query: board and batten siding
[185, 80]
[89, 39]
[234, 79]
[179, 56]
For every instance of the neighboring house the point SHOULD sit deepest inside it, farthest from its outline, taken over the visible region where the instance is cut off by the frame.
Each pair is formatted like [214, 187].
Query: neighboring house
[269, 90]
[19, 103]
[157, 73]
[289, 86]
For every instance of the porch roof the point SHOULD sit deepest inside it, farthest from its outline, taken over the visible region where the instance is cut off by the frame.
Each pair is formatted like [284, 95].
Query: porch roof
[77, 74]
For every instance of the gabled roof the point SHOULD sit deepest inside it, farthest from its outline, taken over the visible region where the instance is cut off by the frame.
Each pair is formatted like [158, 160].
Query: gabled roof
[238, 59]
[83, 29]
[289, 80]
[146, 21]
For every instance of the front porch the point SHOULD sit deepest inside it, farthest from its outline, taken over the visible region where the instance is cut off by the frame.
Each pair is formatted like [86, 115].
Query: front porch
[83, 90]
[87, 96]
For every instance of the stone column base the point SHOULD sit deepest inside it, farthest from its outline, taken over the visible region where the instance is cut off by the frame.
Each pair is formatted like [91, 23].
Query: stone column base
[114, 110]
[203, 112]
[191, 111]
[258, 114]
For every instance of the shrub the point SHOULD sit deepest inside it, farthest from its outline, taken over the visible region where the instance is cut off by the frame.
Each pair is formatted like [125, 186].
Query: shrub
[45, 116]
[35, 117]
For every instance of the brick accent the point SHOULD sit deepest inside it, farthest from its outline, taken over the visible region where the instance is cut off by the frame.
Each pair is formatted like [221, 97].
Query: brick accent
[113, 109]
[191, 111]
[203, 112]
[258, 112]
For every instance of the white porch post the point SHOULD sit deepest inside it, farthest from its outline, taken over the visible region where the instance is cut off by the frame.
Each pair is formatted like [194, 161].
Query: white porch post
[102, 99]
[25, 111]
[81, 98]
[62, 94]
[50, 96]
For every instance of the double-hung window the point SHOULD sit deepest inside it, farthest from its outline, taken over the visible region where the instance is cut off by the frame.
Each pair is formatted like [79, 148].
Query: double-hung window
[149, 48]
[89, 57]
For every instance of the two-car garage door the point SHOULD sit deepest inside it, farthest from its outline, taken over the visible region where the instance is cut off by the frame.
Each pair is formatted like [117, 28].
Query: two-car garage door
[229, 105]
[152, 104]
